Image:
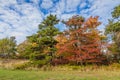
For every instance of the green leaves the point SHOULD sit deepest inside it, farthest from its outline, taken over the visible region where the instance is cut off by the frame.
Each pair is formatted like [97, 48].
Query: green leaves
[116, 12]
[8, 46]
[112, 27]
[113, 30]
[48, 31]
[50, 20]
[43, 42]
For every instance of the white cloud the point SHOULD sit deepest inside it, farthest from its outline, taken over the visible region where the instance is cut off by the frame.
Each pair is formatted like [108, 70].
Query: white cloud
[71, 5]
[61, 7]
[46, 4]
[21, 20]
[3, 27]
[66, 16]
[17, 25]
[103, 9]
[83, 4]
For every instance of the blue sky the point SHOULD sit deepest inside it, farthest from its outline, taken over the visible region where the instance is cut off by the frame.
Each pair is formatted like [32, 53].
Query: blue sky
[20, 18]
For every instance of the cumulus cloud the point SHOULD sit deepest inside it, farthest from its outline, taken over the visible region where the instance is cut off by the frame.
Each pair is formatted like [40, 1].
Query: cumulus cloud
[103, 9]
[71, 6]
[20, 18]
[46, 4]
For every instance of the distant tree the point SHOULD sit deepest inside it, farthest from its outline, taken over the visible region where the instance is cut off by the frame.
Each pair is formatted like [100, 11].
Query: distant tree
[8, 46]
[24, 50]
[12, 44]
[116, 12]
[113, 31]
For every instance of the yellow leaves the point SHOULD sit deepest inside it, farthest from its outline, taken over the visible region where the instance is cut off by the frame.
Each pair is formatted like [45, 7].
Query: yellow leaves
[118, 37]
[103, 37]
[46, 50]
[34, 44]
[62, 39]
[113, 48]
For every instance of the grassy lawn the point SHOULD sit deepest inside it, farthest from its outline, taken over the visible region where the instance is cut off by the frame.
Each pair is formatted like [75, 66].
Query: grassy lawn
[58, 75]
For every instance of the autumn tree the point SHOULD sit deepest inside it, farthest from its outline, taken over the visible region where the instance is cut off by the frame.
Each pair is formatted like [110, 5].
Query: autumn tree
[61, 39]
[83, 40]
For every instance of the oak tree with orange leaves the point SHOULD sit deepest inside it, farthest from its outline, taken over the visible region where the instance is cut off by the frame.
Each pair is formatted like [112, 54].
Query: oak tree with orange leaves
[83, 42]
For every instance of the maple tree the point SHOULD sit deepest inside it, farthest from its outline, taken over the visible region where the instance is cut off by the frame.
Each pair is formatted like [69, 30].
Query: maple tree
[83, 41]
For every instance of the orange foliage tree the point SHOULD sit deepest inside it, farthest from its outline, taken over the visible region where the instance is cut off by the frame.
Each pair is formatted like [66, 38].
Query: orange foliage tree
[81, 42]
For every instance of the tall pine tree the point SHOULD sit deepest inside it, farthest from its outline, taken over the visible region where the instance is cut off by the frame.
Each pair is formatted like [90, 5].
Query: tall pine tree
[43, 42]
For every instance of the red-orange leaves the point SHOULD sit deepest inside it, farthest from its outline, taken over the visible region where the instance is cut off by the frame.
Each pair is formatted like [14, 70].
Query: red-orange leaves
[75, 22]
[92, 22]
[83, 42]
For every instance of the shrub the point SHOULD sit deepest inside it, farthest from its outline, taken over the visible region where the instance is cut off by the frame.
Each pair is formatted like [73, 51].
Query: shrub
[115, 65]
[75, 67]
[38, 60]
[21, 66]
[38, 63]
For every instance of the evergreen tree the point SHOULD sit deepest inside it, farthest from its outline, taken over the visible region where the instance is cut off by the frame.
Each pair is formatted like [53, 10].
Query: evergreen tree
[43, 42]
[47, 32]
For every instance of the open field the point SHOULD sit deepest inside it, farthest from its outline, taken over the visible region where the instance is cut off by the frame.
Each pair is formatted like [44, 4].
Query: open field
[7, 72]
[58, 75]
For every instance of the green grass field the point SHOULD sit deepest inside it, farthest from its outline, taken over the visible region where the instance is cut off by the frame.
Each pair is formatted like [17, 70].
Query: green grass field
[58, 75]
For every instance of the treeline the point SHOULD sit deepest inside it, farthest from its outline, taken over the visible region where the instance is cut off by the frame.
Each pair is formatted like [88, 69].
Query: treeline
[8, 47]
[80, 44]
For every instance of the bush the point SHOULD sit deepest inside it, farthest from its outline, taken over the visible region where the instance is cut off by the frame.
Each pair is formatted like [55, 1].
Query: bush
[22, 66]
[115, 65]
[38, 60]
[75, 67]
[36, 56]
[38, 63]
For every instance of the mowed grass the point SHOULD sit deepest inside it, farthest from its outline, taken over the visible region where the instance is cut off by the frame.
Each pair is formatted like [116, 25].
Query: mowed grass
[58, 75]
